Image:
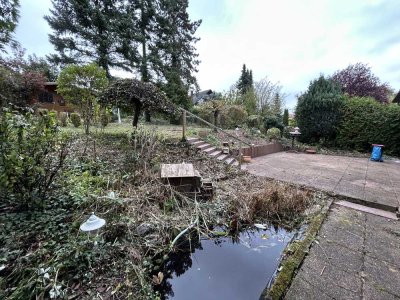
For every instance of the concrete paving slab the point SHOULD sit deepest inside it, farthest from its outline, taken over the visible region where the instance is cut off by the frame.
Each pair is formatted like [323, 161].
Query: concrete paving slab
[382, 276]
[369, 183]
[303, 290]
[350, 260]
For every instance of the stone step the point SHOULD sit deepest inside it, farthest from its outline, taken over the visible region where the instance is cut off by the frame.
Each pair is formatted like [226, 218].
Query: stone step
[222, 157]
[215, 153]
[204, 146]
[191, 140]
[230, 160]
[235, 163]
[198, 143]
[209, 150]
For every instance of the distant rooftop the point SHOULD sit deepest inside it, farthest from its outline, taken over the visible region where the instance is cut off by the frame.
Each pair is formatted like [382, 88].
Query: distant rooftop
[202, 96]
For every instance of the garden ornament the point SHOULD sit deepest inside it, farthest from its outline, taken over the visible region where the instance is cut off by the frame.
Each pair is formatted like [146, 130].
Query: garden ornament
[93, 223]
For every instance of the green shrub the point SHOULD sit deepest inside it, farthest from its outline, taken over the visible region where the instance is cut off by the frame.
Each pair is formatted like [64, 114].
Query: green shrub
[105, 118]
[272, 121]
[75, 119]
[253, 121]
[273, 133]
[232, 116]
[32, 153]
[366, 122]
[204, 112]
[63, 119]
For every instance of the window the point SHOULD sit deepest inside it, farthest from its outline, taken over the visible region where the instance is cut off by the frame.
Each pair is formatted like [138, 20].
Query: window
[45, 97]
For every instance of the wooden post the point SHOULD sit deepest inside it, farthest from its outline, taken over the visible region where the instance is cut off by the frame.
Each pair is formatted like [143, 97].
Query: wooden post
[240, 154]
[184, 126]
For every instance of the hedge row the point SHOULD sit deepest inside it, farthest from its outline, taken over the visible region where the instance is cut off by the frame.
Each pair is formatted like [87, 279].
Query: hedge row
[365, 122]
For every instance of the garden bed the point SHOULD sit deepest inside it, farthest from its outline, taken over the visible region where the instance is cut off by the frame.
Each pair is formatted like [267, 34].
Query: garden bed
[44, 253]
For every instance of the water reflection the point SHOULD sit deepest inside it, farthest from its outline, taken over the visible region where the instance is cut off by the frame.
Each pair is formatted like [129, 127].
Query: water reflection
[237, 267]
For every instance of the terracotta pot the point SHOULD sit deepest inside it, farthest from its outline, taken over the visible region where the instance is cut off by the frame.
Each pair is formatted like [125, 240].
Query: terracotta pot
[246, 158]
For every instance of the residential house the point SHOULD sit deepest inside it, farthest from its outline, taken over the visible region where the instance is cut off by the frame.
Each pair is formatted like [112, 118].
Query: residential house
[202, 97]
[49, 99]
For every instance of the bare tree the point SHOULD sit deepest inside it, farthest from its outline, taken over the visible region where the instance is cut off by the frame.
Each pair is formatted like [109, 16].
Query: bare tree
[266, 91]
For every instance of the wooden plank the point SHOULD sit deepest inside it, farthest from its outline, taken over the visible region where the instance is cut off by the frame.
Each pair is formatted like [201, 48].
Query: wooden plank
[177, 170]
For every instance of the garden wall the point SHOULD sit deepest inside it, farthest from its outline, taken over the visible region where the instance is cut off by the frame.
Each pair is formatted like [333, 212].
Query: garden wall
[261, 150]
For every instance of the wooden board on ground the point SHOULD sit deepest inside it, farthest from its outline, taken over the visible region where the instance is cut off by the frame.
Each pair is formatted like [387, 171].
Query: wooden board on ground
[178, 171]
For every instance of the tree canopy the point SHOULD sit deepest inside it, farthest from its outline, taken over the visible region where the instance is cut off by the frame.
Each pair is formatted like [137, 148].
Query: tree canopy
[245, 80]
[21, 78]
[82, 86]
[285, 118]
[137, 95]
[9, 14]
[154, 38]
[92, 30]
[358, 80]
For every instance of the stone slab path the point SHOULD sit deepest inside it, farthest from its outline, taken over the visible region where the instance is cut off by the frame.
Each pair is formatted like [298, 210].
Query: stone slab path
[369, 183]
[356, 256]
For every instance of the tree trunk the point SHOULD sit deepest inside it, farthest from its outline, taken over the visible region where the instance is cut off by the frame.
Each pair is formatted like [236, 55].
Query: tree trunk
[87, 127]
[136, 114]
[216, 113]
[147, 116]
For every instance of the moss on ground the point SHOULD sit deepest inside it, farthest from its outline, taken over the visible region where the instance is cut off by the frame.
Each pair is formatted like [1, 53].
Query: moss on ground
[291, 263]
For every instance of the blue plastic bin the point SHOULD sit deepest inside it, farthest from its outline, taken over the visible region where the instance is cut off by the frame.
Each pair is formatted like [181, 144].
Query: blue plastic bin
[377, 152]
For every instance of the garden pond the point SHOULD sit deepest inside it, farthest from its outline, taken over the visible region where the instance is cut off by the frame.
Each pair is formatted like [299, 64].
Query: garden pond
[239, 267]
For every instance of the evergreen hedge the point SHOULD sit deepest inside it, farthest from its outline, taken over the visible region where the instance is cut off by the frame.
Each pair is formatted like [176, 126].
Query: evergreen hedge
[364, 122]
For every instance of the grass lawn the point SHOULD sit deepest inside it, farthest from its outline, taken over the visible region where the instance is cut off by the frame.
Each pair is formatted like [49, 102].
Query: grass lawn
[169, 131]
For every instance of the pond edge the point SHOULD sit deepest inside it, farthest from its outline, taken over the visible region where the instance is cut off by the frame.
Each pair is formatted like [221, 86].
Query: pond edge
[291, 264]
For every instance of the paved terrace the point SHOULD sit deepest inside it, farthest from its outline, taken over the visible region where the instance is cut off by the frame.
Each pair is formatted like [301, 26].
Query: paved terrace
[356, 256]
[369, 183]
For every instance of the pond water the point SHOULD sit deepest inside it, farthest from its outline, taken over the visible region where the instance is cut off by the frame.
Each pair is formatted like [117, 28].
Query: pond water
[224, 268]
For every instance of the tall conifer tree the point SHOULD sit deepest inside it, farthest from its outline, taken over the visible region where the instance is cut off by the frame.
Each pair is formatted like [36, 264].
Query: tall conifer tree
[174, 55]
[245, 82]
[9, 14]
[92, 30]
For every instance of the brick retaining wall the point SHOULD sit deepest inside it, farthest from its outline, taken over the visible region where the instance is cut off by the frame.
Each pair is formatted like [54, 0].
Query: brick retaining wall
[261, 150]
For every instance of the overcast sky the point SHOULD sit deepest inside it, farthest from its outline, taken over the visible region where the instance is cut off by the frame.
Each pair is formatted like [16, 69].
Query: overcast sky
[290, 41]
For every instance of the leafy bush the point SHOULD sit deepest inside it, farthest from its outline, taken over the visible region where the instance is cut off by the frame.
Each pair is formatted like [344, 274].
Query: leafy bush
[64, 119]
[366, 122]
[232, 116]
[272, 121]
[273, 133]
[75, 119]
[318, 111]
[32, 153]
[105, 118]
[253, 121]
[203, 112]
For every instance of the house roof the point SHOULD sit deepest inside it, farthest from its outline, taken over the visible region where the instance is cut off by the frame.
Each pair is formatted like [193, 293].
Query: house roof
[202, 96]
[397, 98]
